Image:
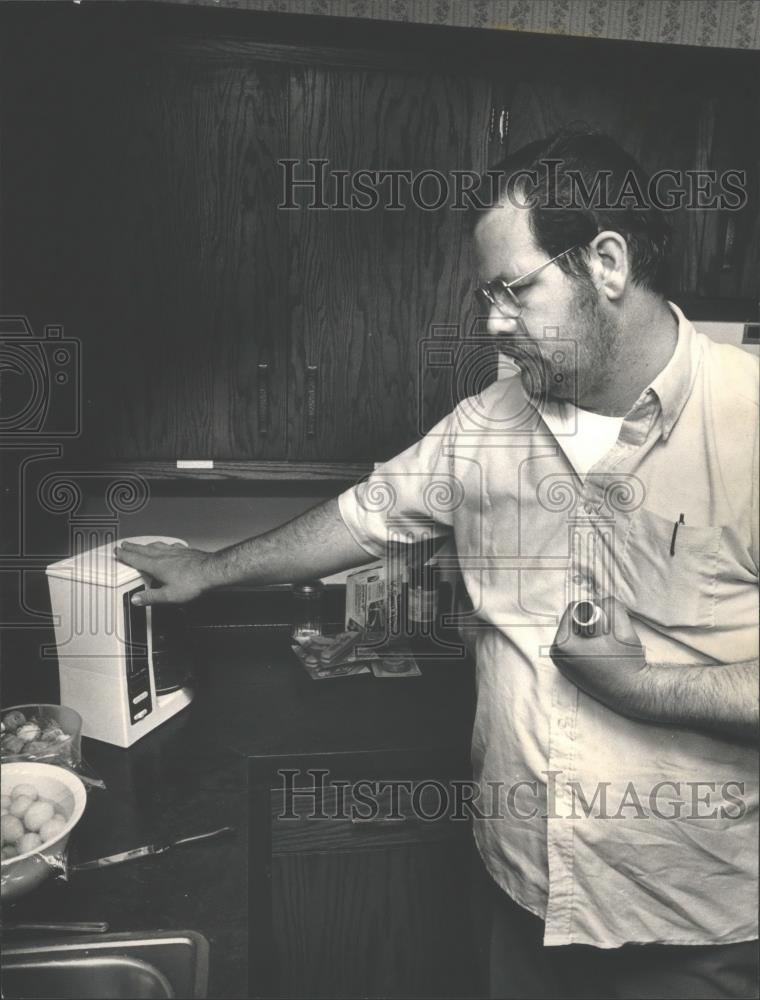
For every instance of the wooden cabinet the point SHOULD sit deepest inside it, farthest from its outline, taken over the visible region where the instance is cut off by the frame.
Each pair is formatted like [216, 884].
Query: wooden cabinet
[198, 249]
[369, 285]
[378, 923]
[724, 254]
[141, 201]
[217, 324]
[376, 908]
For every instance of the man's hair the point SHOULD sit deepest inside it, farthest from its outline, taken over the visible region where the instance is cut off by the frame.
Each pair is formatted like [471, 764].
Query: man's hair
[579, 182]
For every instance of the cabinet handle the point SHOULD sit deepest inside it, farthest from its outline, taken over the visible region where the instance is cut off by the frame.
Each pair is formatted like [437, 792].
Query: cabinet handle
[729, 245]
[503, 126]
[380, 823]
[264, 410]
[311, 400]
[492, 124]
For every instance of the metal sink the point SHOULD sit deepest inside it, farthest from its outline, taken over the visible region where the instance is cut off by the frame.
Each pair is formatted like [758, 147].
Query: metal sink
[164, 964]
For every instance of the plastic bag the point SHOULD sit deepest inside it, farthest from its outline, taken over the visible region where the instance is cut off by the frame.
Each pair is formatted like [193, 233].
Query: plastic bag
[17, 878]
[46, 734]
[343, 656]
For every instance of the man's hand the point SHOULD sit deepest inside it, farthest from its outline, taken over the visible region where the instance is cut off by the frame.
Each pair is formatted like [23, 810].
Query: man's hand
[182, 573]
[718, 698]
[609, 665]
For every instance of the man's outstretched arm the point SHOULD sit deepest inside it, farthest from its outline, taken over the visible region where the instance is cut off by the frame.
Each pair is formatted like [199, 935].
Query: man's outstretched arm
[314, 544]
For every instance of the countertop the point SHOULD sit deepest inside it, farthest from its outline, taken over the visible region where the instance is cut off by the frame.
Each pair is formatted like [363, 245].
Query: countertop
[254, 701]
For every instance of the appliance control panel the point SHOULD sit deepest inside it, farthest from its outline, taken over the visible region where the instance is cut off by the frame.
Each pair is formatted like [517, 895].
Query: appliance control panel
[136, 654]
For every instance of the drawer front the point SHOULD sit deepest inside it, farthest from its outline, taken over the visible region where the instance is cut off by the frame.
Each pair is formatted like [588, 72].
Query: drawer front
[366, 815]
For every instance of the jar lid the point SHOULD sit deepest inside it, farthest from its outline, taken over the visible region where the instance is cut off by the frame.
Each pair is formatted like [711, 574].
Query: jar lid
[311, 587]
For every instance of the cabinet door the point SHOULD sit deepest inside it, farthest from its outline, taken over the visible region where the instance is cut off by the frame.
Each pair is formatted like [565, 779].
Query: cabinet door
[195, 248]
[378, 907]
[370, 286]
[724, 243]
[382, 923]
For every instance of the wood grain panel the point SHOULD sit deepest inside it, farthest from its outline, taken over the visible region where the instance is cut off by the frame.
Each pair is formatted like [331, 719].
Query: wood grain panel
[52, 262]
[726, 242]
[389, 923]
[197, 269]
[228, 49]
[368, 286]
[338, 825]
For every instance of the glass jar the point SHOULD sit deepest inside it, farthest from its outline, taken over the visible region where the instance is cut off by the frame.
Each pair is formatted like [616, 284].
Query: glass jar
[307, 609]
[422, 597]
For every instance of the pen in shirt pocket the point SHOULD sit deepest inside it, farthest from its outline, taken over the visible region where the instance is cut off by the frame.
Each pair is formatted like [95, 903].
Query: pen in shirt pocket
[675, 532]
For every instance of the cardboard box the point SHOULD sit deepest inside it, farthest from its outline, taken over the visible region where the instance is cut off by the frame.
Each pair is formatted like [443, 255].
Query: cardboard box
[366, 600]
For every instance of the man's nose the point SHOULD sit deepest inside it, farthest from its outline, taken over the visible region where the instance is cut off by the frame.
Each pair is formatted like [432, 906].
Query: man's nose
[499, 323]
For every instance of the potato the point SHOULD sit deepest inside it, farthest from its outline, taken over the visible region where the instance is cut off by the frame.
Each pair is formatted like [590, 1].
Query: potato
[10, 851]
[19, 805]
[5, 803]
[12, 720]
[27, 790]
[29, 842]
[28, 732]
[11, 828]
[53, 828]
[37, 814]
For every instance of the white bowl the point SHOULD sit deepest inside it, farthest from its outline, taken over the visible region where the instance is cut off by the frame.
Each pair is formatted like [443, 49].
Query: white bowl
[67, 793]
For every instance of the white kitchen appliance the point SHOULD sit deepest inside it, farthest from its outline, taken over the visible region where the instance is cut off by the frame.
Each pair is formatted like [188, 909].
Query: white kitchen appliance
[106, 659]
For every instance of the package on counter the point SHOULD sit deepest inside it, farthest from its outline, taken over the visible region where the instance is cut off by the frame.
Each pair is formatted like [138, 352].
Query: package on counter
[374, 595]
[366, 601]
[344, 655]
[324, 657]
[397, 663]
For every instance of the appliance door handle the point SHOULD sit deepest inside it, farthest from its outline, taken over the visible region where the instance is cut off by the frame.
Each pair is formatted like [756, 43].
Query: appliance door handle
[264, 408]
[311, 400]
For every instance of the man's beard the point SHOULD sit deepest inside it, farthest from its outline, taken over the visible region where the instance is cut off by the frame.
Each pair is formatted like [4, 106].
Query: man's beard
[573, 363]
[568, 365]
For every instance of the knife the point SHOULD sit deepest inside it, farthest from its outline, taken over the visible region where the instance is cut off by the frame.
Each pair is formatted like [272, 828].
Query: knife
[149, 850]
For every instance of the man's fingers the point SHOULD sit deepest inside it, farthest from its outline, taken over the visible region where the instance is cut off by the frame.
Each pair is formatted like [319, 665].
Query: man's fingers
[147, 546]
[620, 620]
[137, 560]
[146, 597]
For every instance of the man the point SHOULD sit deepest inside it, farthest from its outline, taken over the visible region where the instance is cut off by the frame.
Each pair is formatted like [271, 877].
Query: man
[616, 468]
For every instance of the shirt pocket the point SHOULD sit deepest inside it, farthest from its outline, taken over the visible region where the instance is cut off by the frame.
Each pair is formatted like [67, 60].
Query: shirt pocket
[672, 590]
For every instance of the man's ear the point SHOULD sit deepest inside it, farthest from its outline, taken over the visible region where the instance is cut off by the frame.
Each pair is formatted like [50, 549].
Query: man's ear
[609, 263]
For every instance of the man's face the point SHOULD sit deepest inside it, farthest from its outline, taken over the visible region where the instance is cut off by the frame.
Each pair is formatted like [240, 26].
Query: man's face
[554, 304]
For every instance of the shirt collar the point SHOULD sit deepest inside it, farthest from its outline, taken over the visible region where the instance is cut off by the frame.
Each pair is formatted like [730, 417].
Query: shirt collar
[672, 386]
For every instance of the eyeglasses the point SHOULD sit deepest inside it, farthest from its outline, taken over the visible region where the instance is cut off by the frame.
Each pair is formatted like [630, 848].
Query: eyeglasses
[500, 293]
